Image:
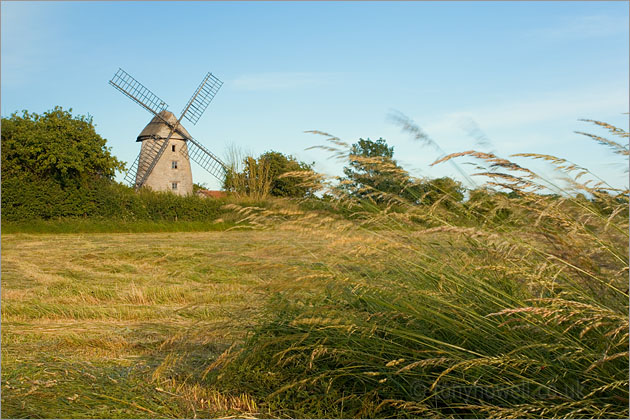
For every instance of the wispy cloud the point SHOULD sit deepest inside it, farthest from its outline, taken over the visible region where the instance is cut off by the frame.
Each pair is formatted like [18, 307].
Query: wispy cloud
[281, 80]
[544, 125]
[552, 106]
[583, 27]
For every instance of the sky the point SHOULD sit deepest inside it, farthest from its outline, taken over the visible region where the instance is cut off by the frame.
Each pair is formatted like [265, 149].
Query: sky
[523, 73]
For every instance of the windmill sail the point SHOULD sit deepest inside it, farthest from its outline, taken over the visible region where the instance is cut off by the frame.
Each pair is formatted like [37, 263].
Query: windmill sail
[164, 127]
[137, 92]
[202, 97]
[140, 169]
[130, 176]
[206, 159]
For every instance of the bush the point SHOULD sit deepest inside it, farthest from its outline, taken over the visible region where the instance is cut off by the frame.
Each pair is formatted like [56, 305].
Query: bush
[55, 166]
[28, 199]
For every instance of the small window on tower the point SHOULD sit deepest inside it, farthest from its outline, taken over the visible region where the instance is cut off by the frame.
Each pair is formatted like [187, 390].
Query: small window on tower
[173, 147]
[174, 185]
[174, 163]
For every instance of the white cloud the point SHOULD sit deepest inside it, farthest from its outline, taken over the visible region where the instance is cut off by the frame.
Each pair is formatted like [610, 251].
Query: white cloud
[281, 80]
[542, 125]
[581, 27]
[552, 106]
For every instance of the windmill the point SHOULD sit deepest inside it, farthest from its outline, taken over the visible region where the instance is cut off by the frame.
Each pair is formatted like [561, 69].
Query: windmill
[163, 163]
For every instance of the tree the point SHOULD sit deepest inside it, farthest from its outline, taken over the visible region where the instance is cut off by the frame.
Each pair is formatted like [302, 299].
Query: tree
[373, 172]
[444, 188]
[266, 174]
[55, 164]
[251, 179]
[287, 186]
[55, 146]
[372, 169]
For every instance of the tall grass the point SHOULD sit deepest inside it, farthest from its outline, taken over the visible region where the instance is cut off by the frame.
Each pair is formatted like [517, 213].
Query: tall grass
[505, 305]
[246, 176]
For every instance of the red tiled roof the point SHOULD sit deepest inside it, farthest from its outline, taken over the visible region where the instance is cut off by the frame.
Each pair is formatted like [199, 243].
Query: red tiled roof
[212, 193]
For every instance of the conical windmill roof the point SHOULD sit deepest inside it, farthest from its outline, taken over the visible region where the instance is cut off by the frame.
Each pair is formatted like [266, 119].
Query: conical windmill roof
[159, 129]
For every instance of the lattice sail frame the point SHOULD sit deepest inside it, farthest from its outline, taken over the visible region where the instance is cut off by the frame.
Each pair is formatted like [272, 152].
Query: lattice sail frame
[202, 97]
[135, 90]
[206, 159]
[193, 110]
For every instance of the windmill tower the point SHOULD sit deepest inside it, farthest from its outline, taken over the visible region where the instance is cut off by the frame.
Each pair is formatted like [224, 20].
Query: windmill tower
[166, 146]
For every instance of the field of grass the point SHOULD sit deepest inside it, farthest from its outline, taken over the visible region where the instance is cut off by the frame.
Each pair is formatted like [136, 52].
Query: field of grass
[103, 225]
[500, 306]
[123, 325]
[311, 318]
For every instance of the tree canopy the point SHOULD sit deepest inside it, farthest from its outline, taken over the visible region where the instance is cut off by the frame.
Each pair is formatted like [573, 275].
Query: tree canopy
[372, 172]
[280, 164]
[371, 169]
[55, 146]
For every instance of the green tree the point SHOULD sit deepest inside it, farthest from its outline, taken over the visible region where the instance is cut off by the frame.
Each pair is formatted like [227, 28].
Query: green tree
[444, 188]
[55, 165]
[288, 186]
[55, 146]
[372, 170]
[282, 175]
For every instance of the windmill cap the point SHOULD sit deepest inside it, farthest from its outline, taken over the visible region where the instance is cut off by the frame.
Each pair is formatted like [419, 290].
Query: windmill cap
[157, 128]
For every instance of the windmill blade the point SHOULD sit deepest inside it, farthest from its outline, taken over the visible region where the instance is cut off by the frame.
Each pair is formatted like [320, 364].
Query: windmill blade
[143, 167]
[137, 92]
[157, 146]
[205, 158]
[130, 176]
[145, 161]
[202, 97]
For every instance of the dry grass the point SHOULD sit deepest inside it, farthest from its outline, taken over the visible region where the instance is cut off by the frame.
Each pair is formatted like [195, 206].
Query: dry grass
[127, 322]
[512, 306]
[502, 306]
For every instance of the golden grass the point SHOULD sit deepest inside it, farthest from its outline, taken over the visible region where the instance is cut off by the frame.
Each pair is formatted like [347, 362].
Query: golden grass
[76, 308]
[396, 309]
[506, 305]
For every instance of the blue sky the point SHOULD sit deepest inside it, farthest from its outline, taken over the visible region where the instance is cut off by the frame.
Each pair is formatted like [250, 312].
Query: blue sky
[524, 72]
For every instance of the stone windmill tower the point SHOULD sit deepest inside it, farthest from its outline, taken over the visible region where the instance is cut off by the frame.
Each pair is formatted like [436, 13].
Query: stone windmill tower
[172, 171]
[167, 148]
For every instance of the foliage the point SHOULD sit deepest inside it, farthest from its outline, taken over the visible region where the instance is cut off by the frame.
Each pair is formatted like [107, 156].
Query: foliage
[252, 180]
[372, 169]
[57, 146]
[55, 165]
[34, 199]
[287, 186]
[373, 173]
[271, 173]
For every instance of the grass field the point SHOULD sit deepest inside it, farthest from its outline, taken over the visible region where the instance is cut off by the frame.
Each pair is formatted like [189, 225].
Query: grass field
[311, 318]
[122, 325]
[499, 306]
